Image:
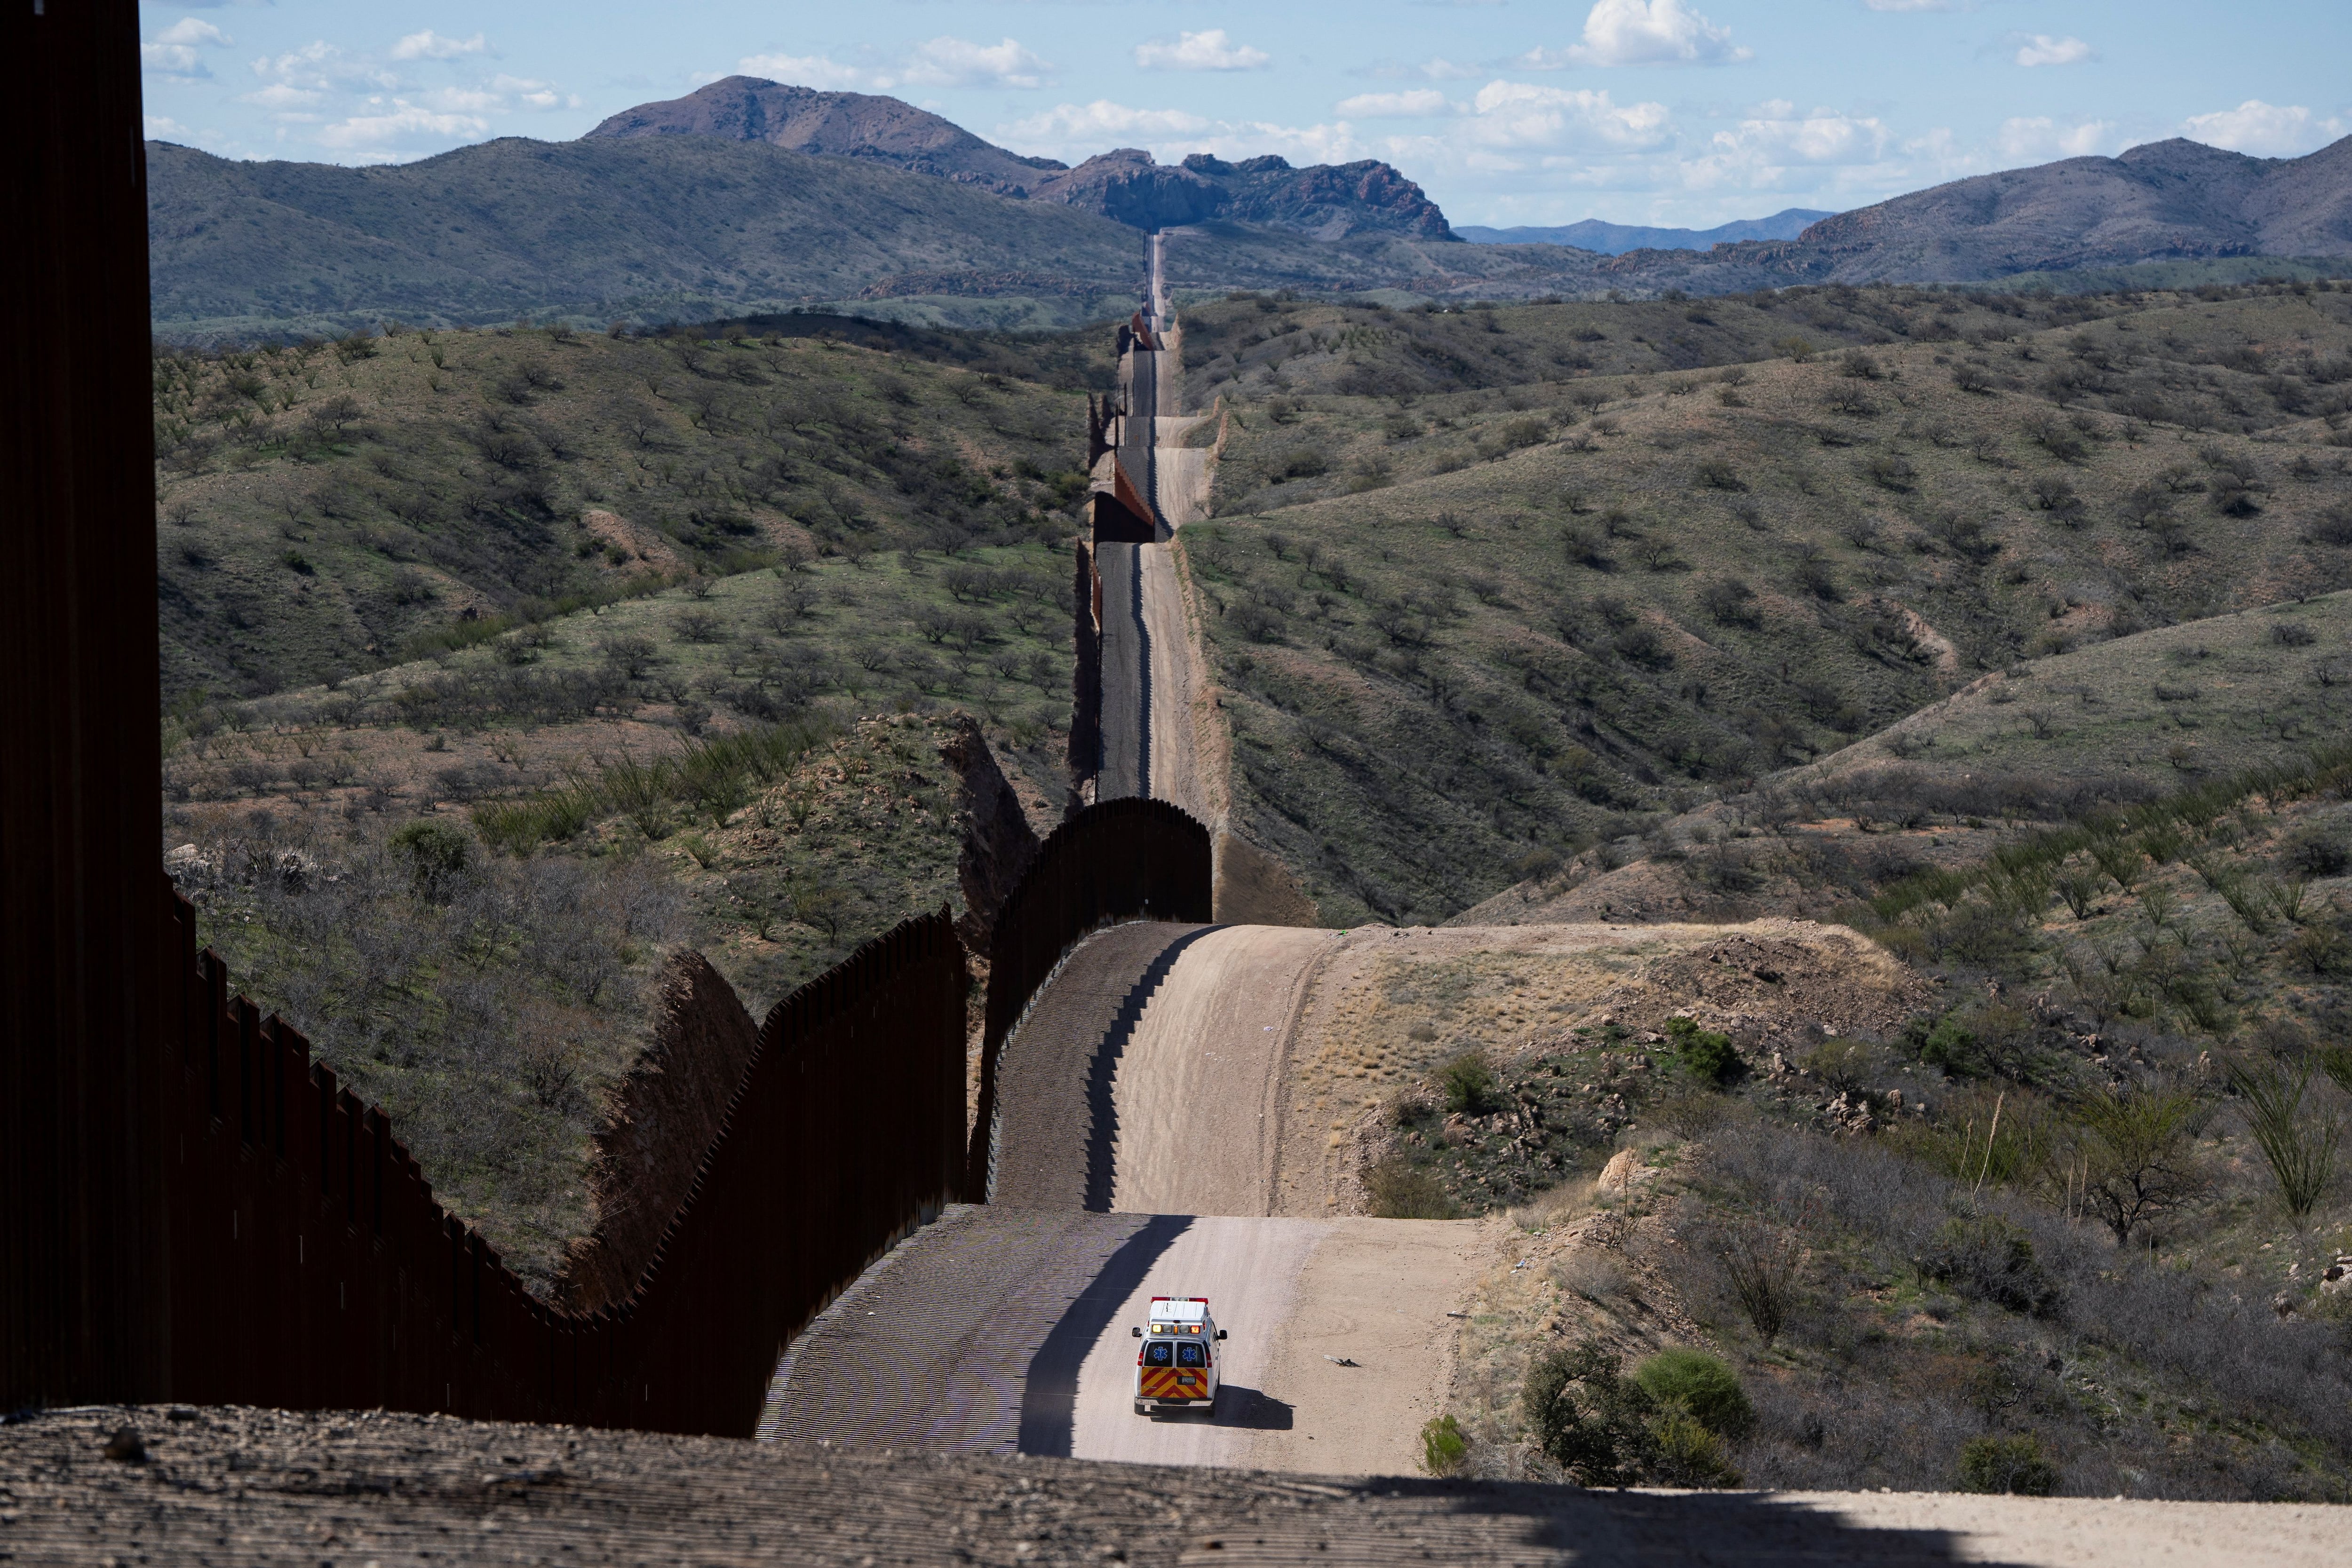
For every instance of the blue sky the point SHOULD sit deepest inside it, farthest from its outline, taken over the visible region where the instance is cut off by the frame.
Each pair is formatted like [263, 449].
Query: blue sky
[1507, 111]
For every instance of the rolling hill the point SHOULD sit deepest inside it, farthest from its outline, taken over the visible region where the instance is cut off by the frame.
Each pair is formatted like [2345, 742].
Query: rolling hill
[1495, 584]
[1616, 239]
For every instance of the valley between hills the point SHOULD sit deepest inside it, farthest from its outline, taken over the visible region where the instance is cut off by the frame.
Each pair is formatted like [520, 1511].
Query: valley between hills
[1924, 705]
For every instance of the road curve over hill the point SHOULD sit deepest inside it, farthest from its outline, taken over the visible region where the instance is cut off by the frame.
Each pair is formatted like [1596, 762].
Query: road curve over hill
[1137, 1153]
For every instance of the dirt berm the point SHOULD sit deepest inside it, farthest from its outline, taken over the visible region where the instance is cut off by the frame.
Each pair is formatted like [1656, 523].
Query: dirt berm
[235, 1486]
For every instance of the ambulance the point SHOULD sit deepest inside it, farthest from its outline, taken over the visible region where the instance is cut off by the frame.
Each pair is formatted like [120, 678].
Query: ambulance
[1176, 1365]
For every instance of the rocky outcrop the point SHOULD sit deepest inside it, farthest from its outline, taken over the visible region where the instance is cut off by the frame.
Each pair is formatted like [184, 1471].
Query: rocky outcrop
[1327, 201]
[660, 1124]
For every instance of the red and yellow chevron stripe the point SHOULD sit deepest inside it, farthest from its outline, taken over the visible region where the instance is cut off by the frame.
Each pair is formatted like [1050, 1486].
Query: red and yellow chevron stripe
[1173, 1383]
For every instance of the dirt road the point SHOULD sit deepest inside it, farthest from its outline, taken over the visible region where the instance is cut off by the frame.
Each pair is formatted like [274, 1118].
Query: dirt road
[1173, 682]
[1127, 730]
[1339, 1350]
[1198, 1085]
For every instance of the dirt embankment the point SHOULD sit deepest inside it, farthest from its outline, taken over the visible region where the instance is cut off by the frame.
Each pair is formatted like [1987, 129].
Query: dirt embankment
[239, 1486]
[1388, 1005]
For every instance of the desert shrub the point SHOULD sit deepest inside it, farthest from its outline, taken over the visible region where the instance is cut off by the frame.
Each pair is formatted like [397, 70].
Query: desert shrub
[1589, 1419]
[1307, 462]
[1846, 1065]
[1719, 474]
[1701, 1387]
[1990, 1259]
[1442, 1447]
[2137, 1148]
[1594, 1275]
[697, 626]
[1863, 1192]
[2317, 854]
[1891, 471]
[1692, 1113]
[1401, 1190]
[1986, 1039]
[1763, 1268]
[1705, 1055]
[1684, 1453]
[1469, 1085]
[435, 852]
[2013, 1465]
[2299, 1147]
[1536, 864]
[1730, 601]
[1979, 1135]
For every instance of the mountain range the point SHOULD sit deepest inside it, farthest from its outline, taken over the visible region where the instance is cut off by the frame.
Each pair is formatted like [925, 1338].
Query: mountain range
[750, 195]
[1328, 200]
[1616, 239]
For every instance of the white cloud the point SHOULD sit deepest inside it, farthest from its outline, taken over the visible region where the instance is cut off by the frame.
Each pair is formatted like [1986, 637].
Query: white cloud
[173, 51]
[1910, 4]
[429, 45]
[1642, 32]
[529, 93]
[1419, 102]
[1514, 114]
[1511, 127]
[1209, 51]
[319, 66]
[2040, 139]
[818, 71]
[1075, 131]
[163, 128]
[1098, 124]
[2041, 50]
[953, 62]
[468, 101]
[1437, 68]
[193, 30]
[1779, 135]
[939, 62]
[283, 96]
[400, 124]
[2266, 129]
[171, 59]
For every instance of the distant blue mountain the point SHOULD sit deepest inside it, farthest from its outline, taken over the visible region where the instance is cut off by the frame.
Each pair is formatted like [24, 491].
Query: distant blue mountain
[1616, 239]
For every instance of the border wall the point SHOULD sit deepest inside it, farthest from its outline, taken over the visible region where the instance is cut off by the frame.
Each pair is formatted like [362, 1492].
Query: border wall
[1085, 679]
[311, 1267]
[1130, 859]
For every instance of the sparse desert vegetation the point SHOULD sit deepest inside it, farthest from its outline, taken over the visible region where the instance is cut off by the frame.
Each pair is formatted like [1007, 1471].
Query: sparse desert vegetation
[1587, 565]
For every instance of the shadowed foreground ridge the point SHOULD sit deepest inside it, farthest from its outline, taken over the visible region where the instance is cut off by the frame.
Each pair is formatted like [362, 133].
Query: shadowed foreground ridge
[394, 1488]
[238, 1485]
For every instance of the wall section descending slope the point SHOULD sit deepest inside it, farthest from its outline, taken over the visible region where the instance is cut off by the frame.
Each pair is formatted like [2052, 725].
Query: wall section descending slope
[1131, 859]
[311, 1269]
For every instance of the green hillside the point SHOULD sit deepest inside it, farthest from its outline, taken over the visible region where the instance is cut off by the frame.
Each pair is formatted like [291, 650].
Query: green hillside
[1529, 598]
[333, 509]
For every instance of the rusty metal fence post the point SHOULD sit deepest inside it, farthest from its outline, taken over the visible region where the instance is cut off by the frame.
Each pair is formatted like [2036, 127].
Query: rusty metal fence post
[82, 1248]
